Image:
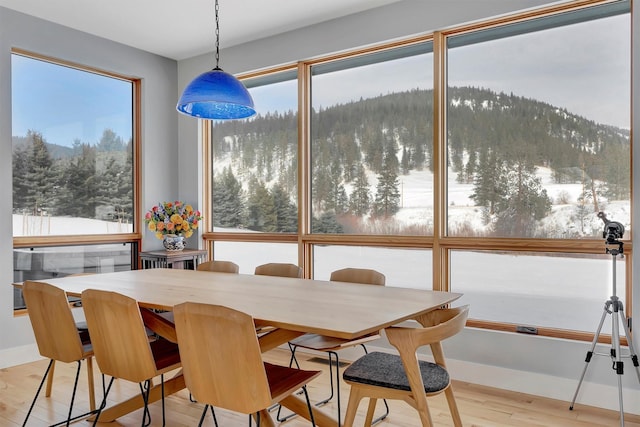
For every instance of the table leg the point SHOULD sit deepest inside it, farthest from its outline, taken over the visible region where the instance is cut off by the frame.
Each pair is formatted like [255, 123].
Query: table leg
[299, 406]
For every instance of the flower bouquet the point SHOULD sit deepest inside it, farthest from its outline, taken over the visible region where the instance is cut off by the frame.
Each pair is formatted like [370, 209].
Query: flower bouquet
[172, 219]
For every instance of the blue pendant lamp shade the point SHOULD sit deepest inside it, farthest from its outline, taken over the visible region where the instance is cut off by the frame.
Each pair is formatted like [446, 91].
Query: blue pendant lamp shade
[216, 95]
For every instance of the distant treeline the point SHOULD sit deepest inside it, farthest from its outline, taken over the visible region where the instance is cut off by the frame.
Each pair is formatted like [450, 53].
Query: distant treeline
[495, 141]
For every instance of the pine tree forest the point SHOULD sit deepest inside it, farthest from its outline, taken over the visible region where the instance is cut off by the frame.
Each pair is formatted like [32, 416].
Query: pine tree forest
[82, 181]
[361, 150]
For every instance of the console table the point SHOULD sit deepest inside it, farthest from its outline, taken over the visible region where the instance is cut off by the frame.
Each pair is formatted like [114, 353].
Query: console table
[184, 259]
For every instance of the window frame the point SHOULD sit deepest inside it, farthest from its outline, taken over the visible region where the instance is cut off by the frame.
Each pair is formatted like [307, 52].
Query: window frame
[135, 237]
[439, 243]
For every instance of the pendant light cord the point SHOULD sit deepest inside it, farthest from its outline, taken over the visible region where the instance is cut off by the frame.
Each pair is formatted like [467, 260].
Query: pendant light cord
[217, 37]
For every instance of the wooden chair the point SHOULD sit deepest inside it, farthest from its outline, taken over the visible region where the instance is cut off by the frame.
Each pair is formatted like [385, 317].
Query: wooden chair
[403, 377]
[58, 338]
[232, 376]
[279, 269]
[219, 266]
[331, 345]
[122, 347]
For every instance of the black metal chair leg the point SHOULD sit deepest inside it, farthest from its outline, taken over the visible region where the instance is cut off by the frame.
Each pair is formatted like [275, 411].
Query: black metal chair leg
[103, 403]
[213, 414]
[46, 373]
[311, 417]
[146, 415]
[203, 415]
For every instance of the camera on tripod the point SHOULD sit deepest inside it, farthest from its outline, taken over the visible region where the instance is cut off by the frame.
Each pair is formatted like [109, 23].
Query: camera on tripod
[613, 231]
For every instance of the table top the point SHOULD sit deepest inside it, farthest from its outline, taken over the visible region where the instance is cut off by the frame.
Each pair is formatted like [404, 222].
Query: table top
[343, 310]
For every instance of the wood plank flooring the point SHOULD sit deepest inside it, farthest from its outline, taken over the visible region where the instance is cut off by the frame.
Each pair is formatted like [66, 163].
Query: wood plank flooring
[479, 405]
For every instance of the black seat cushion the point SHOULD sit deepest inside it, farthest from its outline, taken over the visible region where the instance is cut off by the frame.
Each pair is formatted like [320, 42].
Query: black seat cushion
[386, 370]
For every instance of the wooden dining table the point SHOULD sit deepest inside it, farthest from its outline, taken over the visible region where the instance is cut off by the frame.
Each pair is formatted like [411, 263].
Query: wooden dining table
[291, 306]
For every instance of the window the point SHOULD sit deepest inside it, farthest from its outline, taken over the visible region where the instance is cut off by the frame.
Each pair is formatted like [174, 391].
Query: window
[371, 143]
[72, 150]
[255, 163]
[73, 154]
[538, 133]
[41, 263]
[475, 159]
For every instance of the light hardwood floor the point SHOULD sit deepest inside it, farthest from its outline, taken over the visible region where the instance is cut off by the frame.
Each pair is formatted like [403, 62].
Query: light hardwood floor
[479, 406]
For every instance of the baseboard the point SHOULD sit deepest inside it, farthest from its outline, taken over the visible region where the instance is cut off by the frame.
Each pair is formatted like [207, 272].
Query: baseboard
[19, 355]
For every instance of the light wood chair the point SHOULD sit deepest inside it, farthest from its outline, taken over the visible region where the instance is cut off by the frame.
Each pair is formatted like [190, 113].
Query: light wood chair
[122, 347]
[217, 376]
[279, 269]
[58, 338]
[219, 266]
[331, 345]
[403, 377]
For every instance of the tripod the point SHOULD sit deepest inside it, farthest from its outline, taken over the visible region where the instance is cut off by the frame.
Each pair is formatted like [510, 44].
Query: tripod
[614, 307]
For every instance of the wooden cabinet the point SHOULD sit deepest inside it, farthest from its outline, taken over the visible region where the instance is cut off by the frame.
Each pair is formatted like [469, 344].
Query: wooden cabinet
[184, 259]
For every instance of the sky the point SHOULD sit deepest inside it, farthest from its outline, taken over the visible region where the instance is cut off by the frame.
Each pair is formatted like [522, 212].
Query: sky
[584, 68]
[65, 104]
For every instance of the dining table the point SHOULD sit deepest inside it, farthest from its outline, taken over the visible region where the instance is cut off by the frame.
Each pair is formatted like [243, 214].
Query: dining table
[289, 306]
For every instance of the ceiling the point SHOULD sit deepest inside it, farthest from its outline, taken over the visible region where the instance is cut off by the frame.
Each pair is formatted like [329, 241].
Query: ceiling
[182, 29]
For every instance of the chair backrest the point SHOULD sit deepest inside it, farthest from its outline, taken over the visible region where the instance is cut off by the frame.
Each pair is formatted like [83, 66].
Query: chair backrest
[279, 269]
[219, 266]
[358, 275]
[120, 342]
[221, 358]
[52, 322]
[437, 326]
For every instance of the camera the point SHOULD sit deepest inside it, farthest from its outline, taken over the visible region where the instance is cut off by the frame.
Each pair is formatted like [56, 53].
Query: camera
[612, 230]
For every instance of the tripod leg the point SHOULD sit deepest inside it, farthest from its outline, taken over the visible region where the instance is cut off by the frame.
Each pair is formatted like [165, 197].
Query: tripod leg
[590, 354]
[616, 356]
[632, 350]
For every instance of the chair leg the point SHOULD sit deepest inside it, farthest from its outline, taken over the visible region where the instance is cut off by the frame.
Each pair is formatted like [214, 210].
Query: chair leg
[386, 405]
[146, 415]
[104, 400]
[203, 415]
[92, 390]
[47, 392]
[213, 414]
[370, 411]
[306, 395]
[453, 407]
[46, 373]
[352, 407]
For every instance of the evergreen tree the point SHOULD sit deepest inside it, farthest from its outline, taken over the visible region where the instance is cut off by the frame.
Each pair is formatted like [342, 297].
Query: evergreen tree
[326, 223]
[228, 200]
[286, 211]
[360, 201]
[79, 194]
[387, 201]
[110, 141]
[41, 176]
[261, 208]
[20, 182]
[489, 186]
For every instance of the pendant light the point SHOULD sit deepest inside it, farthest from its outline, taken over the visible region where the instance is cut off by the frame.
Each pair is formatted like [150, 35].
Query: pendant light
[216, 94]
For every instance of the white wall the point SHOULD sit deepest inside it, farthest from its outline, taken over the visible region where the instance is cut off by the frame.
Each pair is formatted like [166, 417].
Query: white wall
[159, 137]
[538, 365]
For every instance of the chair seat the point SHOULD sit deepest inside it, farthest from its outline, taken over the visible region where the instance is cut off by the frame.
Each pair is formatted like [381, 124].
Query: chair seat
[325, 343]
[386, 370]
[165, 353]
[283, 379]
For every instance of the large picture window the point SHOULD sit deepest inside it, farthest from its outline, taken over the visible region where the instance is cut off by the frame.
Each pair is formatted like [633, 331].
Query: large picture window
[372, 143]
[475, 160]
[538, 126]
[72, 150]
[255, 163]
